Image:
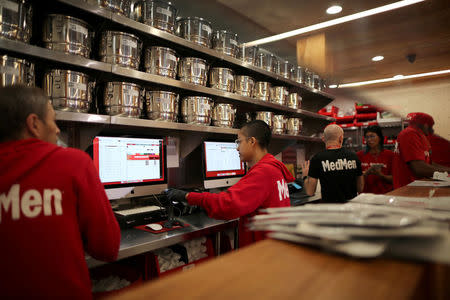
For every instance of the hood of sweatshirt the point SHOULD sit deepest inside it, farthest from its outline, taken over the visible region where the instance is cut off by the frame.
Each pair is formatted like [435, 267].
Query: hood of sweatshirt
[17, 158]
[271, 160]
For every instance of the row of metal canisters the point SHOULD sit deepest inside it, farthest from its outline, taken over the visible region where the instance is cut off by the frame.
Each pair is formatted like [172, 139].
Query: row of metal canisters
[280, 124]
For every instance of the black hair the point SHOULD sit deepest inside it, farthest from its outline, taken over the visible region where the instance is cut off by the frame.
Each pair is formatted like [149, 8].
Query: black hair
[377, 130]
[260, 131]
[16, 104]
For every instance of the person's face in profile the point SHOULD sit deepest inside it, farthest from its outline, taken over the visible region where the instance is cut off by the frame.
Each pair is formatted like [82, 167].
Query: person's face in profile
[244, 148]
[49, 130]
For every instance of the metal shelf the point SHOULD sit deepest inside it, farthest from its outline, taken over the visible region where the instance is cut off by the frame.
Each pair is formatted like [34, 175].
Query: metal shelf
[316, 96]
[56, 56]
[297, 137]
[82, 117]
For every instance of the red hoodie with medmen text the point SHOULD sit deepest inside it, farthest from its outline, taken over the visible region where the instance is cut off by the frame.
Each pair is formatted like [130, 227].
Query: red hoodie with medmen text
[53, 208]
[265, 185]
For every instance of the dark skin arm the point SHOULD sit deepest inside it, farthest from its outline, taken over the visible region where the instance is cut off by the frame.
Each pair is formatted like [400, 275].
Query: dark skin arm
[422, 169]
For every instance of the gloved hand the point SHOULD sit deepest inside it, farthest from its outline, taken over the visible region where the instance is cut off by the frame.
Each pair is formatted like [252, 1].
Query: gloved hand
[175, 195]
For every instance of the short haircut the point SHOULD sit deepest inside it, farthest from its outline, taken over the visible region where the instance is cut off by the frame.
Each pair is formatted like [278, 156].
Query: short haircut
[332, 133]
[260, 131]
[16, 104]
[377, 130]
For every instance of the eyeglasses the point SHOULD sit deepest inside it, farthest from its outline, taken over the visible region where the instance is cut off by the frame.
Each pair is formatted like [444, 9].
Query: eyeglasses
[239, 141]
[371, 136]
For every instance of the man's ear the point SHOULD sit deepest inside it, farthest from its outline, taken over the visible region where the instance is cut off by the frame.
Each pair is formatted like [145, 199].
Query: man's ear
[253, 140]
[33, 126]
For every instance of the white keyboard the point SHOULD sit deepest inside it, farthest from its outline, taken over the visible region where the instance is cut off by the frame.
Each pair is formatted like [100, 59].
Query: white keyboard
[137, 210]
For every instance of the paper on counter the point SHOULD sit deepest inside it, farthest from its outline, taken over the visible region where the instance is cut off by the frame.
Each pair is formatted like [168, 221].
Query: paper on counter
[441, 176]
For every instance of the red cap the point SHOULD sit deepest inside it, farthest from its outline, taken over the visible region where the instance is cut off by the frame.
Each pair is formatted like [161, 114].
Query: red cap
[420, 118]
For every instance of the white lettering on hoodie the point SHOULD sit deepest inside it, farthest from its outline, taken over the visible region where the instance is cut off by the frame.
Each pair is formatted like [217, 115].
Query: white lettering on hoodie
[283, 190]
[31, 203]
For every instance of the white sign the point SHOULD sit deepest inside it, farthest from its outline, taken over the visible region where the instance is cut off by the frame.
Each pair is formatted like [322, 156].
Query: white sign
[78, 28]
[77, 85]
[206, 28]
[164, 11]
[130, 43]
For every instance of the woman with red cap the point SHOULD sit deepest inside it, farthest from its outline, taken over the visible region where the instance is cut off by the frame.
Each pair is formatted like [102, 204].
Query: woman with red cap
[413, 148]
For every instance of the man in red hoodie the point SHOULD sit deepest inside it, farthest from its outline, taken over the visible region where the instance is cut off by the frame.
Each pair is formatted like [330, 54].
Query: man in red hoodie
[53, 206]
[413, 154]
[265, 184]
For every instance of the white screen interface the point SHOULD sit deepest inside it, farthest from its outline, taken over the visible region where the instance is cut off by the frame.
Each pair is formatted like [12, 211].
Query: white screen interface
[129, 160]
[222, 159]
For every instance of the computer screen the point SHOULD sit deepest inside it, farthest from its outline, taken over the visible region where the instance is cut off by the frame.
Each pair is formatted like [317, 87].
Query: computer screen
[222, 165]
[129, 161]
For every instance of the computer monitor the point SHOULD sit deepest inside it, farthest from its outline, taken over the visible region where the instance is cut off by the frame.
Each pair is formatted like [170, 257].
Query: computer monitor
[130, 166]
[222, 165]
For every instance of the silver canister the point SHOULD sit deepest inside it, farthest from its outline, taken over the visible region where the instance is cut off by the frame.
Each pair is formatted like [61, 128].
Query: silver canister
[193, 70]
[262, 90]
[267, 62]
[69, 90]
[120, 7]
[286, 70]
[279, 94]
[120, 48]
[300, 75]
[196, 30]
[309, 78]
[15, 71]
[244, 85]
[265, 116]
[16, 20]
[316, 81]
[294, 126]
[122, 99]
[279, 124]
[225, 42]
[249, 54]
[294, 101]
[162, 105]
[161, 61]
[223, 115]
[159, 14]
[67, 34]
[222, 79]
[197, 110]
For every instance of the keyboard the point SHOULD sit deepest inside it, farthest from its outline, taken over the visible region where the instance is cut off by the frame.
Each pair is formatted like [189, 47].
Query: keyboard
[137, 210]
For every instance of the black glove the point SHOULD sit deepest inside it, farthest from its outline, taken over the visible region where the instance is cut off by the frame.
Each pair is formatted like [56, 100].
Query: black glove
[175, 195]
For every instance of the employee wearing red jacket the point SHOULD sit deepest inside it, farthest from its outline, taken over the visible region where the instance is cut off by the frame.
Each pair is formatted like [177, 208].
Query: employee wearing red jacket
[265, 184]
[53, 207]
[413, 159]
[376, 162]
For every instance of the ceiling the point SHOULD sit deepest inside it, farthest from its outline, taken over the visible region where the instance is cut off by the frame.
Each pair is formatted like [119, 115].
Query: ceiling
[344, 52]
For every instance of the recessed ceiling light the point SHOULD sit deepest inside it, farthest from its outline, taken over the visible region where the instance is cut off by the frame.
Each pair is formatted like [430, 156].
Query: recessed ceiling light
[333, 86]
[377, 58]
[335, 9]
[359, 15]
[401, 77]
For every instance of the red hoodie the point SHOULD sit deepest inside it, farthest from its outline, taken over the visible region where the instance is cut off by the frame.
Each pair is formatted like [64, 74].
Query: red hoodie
[52, 208]
[265, 185]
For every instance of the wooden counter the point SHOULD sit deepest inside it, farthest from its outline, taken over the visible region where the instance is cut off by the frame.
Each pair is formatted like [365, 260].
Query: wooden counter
[273, 269]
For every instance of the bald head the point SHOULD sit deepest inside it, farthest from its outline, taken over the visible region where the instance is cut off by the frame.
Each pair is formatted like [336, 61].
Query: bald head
[332, 133]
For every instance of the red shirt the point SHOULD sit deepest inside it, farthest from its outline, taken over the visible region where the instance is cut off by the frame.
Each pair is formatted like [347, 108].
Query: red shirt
[53, 208]
[265, 185]
[440, 150]
[412, 145]
[374, 183]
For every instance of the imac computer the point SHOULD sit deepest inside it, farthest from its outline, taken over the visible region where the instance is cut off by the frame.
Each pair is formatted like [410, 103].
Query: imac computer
[222, 165]
[130, 166]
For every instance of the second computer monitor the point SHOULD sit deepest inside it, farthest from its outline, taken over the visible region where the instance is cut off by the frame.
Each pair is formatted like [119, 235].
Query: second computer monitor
[222, 165]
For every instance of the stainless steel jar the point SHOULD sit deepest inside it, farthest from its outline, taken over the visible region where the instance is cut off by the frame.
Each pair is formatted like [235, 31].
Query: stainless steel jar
[279, 94]
[316, 81]
[223, 115]
[294, 101]
[267, 62]
[159, 14]
[162, 105]
[286, 70]
[120, 48]
[300, 75]
[69, 90]
[16, 20]
[249, 54]
[244, 85]
[265, 116]
[279, 124]
[16, 71]
[222, 79]
[262, 90]
[161, 61]
[67, 34]
[193, 70]
[122, 99]
[197, 110]
[120, 7]
[294, 126]
[309, 78]
[196, 30]
[225, 42]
